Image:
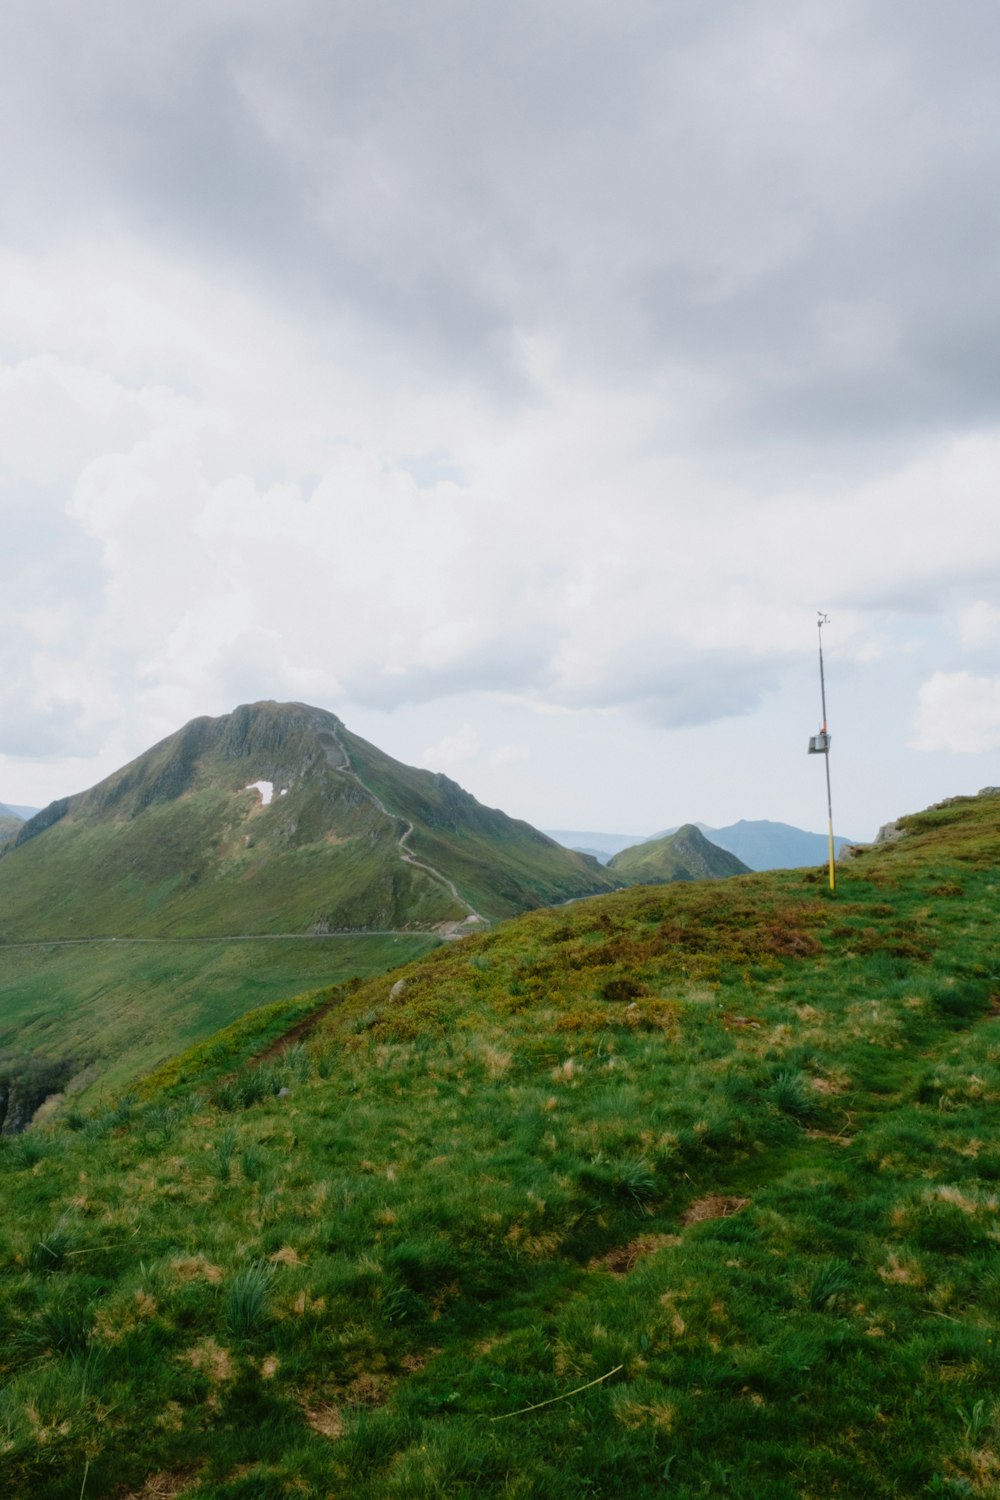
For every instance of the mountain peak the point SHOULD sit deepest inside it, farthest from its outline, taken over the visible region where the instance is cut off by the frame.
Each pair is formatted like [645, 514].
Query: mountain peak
[183, 839]
[684, 855]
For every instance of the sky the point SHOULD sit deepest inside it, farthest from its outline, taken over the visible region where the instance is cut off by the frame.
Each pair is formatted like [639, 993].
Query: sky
[517, 382]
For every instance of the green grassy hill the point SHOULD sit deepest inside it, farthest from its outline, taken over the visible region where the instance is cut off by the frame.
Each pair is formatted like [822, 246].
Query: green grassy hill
[90, 1017]
[688, 1190]
[684, 855]
[269, 821]
[181, 842]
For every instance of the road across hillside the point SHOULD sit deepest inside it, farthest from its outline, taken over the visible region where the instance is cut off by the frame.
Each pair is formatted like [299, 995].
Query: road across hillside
[344, 765]
[233, 937]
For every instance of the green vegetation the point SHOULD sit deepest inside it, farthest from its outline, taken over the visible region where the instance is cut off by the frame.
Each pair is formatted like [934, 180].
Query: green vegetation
[684, 855]
[179, 844]
[688, 1191]
[501, 864]
[179, 850]
[116, 1009]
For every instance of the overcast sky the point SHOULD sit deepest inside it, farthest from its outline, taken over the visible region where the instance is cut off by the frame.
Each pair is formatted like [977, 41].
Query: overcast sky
[515, 381]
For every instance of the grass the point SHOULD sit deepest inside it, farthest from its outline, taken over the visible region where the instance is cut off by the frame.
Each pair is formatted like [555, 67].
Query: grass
[176, 845]
[118, 1009]
[515, 1232]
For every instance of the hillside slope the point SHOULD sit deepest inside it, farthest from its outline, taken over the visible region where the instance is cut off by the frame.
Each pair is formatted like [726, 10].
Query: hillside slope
[686, 1191]
[760, 843]
[765, 845]
[274, 818]
[684, 855]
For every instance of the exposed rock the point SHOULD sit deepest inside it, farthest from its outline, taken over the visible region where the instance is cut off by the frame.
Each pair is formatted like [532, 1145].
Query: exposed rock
[889, 833]
[398, 989]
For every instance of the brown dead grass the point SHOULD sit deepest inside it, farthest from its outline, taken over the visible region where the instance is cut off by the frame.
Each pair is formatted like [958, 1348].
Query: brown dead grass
[831, 1083]
[368, 1389]
[624, 1258]
[163, 1486]
[211, 1360]
[901, 1272]
[713, 1206]
[636, 1414]
[190, 1267]
[327, 1420]
[286, 1256]
[948, 1193]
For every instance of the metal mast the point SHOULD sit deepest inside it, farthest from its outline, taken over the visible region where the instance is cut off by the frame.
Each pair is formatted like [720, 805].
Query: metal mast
[823, 747]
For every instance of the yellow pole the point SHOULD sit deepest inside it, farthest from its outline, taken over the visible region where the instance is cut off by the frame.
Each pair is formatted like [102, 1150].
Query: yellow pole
[833, 881]
[826, 754]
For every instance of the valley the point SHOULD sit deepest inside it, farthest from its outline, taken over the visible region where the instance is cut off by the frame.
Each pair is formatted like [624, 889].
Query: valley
[241, 860]
[113, 1009]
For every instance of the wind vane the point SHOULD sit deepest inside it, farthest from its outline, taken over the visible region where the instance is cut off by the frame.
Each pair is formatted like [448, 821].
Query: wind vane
[819, 744]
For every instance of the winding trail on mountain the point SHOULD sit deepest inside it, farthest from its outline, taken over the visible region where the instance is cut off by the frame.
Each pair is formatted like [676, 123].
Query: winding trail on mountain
[345, 766]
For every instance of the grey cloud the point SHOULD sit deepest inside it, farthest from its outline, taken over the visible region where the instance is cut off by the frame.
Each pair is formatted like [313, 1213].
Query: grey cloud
[670, 688]
[675, 188]
[505, 665]
[681, 688]
[40, 731]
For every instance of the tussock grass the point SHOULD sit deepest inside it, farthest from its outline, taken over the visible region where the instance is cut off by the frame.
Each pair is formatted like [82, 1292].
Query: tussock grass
[763, 1193]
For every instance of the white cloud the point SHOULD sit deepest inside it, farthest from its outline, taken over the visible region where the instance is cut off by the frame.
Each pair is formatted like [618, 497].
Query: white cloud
[979, 624]
[509, 755]
[960, 712]
[453, 750]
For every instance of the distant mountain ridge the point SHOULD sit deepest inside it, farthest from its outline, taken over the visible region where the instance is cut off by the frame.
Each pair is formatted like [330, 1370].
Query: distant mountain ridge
[275, 818]
[764, 845]
[685, 854]
[760, 844]
[600, 845]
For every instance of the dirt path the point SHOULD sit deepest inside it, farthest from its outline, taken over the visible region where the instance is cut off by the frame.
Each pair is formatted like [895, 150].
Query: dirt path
[343, 763]
[297, 1032]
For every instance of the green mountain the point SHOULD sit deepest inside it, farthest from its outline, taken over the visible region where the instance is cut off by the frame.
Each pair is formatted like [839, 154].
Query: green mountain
[686, 1191]
[684, 855]
[275, 819]
[764, 845]
[759, 843]
[600, 845]
[10, 827]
